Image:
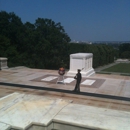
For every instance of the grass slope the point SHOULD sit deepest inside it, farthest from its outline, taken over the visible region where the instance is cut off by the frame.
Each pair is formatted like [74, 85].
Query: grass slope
[121, 68]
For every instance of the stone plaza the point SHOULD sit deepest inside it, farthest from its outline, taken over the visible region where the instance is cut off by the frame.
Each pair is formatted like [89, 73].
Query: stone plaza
[30, 99]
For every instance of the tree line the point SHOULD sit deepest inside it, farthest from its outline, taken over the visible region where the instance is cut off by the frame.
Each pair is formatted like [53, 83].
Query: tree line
[44, 44]
[124, 51]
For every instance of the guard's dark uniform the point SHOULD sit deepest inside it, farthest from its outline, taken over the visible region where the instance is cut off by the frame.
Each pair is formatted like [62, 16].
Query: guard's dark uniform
[78, 77]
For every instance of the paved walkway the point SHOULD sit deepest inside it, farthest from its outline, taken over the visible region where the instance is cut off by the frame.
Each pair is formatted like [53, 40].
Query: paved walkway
[110, 85]
[105, 86]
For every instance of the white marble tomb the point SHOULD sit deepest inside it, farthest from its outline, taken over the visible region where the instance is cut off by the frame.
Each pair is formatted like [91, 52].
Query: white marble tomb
[81, 61]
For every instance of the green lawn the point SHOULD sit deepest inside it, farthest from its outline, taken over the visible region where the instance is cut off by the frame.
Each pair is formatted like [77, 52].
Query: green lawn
[121, 68]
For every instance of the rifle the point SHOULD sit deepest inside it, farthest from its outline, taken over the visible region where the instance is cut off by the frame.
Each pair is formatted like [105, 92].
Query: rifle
[82, 69]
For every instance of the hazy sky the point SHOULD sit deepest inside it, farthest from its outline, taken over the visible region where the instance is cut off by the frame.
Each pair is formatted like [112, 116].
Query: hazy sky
[83, 20]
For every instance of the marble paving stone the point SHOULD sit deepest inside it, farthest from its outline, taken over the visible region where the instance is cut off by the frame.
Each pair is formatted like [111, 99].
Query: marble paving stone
[94, 117]
[4, 126]
[49, 78]
[88, 82]
[63, 86]
[33, 76]
[126, 89]
[3, 79]
[107, 92]
[20, 74]
[68, 80]
[111, 84]
[91, 90]
[114, 105]
[39, 84]
[120, 91]
[127, 85]
[110, 87]
[126, 94]
[124, 107]
[19, 110]
[5, 73]
[30, 83]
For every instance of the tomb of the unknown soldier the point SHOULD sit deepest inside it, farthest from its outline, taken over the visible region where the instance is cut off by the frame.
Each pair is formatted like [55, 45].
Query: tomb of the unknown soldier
[82, 61]
[31, 99]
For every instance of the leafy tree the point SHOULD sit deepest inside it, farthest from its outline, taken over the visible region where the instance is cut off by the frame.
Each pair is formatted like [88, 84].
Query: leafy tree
[102, 54]
[4, 44]
[55, 36]
[124, 50]
[6, 50]
[44, 44]
[125, 54]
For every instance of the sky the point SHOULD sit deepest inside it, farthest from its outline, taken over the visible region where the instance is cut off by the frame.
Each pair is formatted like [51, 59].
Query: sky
[83, 20]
